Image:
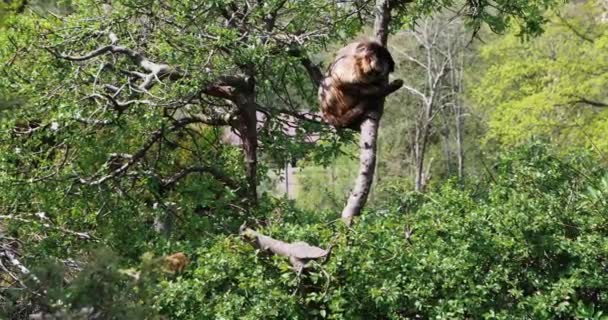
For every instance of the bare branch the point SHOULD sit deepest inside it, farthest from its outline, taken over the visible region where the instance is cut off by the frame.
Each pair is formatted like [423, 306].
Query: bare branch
[299, 253]
[156, 71]
[80, 235]
[416, 92]
[217, 174]
[416, 61]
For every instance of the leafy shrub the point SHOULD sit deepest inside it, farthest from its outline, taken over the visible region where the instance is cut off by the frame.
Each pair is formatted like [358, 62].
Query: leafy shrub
[100, 290]
[530, 243]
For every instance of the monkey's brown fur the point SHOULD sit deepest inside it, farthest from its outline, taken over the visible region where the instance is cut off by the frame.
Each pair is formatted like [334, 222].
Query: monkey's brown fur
[176, 262]
[354, 83]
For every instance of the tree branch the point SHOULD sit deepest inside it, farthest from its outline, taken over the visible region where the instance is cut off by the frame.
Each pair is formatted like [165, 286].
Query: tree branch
[416, 92]
[135, 158]
[593, 103]
[299, 253]
[315, 73]
[574, 30]
[369, 130]
[217, 174]
[156, 71]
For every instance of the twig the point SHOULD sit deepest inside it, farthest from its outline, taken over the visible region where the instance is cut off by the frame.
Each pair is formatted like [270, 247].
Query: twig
[80, 235]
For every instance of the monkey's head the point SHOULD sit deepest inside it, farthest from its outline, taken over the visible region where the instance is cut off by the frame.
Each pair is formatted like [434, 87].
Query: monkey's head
[374, 60]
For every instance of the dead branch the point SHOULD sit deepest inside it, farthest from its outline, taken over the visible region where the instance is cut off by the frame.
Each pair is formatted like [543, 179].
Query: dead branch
[299, 253]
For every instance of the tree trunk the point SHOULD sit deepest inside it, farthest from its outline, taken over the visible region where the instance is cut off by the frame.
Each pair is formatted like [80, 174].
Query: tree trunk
[248, 129]
[422, 141]
[459, 140]
[369, 130]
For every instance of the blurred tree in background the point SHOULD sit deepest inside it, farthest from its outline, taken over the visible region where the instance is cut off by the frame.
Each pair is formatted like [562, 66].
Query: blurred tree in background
[551, 88]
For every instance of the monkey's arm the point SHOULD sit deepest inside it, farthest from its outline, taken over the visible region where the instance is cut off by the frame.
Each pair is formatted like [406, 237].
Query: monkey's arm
[347, 118]
[374, 90]
[393, 86]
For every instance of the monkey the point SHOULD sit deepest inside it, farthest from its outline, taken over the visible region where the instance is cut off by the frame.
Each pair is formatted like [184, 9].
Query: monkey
[176, 262]
[354, 82]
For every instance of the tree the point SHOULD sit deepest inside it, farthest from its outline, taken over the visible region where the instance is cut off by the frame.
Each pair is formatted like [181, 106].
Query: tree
[440, 48]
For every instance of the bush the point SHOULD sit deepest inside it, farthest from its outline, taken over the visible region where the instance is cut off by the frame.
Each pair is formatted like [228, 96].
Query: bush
[100, 290]
[530, 243]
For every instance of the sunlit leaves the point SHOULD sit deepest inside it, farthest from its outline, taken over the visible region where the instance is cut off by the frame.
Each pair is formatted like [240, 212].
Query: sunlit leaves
[542, 88]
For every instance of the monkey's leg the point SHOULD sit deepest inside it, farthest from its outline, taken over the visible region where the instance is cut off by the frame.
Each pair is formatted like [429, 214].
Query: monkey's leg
[360, 89]
[371, 89]
[350, 116]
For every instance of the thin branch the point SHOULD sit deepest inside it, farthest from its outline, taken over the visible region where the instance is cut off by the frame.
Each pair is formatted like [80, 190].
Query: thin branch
[119, 105]
[410, 58]
[139, 155]
[305, 116]
[93, 122]
[314, 71]
[216, 173]
[574, 30]
[80, 235]
[416, 92]
[593, 103]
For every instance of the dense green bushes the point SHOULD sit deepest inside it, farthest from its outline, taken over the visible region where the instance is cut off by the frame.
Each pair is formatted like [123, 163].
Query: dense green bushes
[531, 241]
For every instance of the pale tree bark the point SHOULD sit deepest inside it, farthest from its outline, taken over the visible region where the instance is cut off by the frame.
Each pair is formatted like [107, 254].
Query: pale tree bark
[299, 253]
[369, 130]
[456, 65]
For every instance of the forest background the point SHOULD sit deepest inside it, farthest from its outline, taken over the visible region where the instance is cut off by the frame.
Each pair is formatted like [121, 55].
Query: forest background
[131, 130]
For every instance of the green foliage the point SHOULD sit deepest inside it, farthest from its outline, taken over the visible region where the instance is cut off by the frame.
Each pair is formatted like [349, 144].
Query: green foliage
[101, 289]
[530, 242]
[498, 15]
[527, 241]
[9, 8]
[546, 88]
